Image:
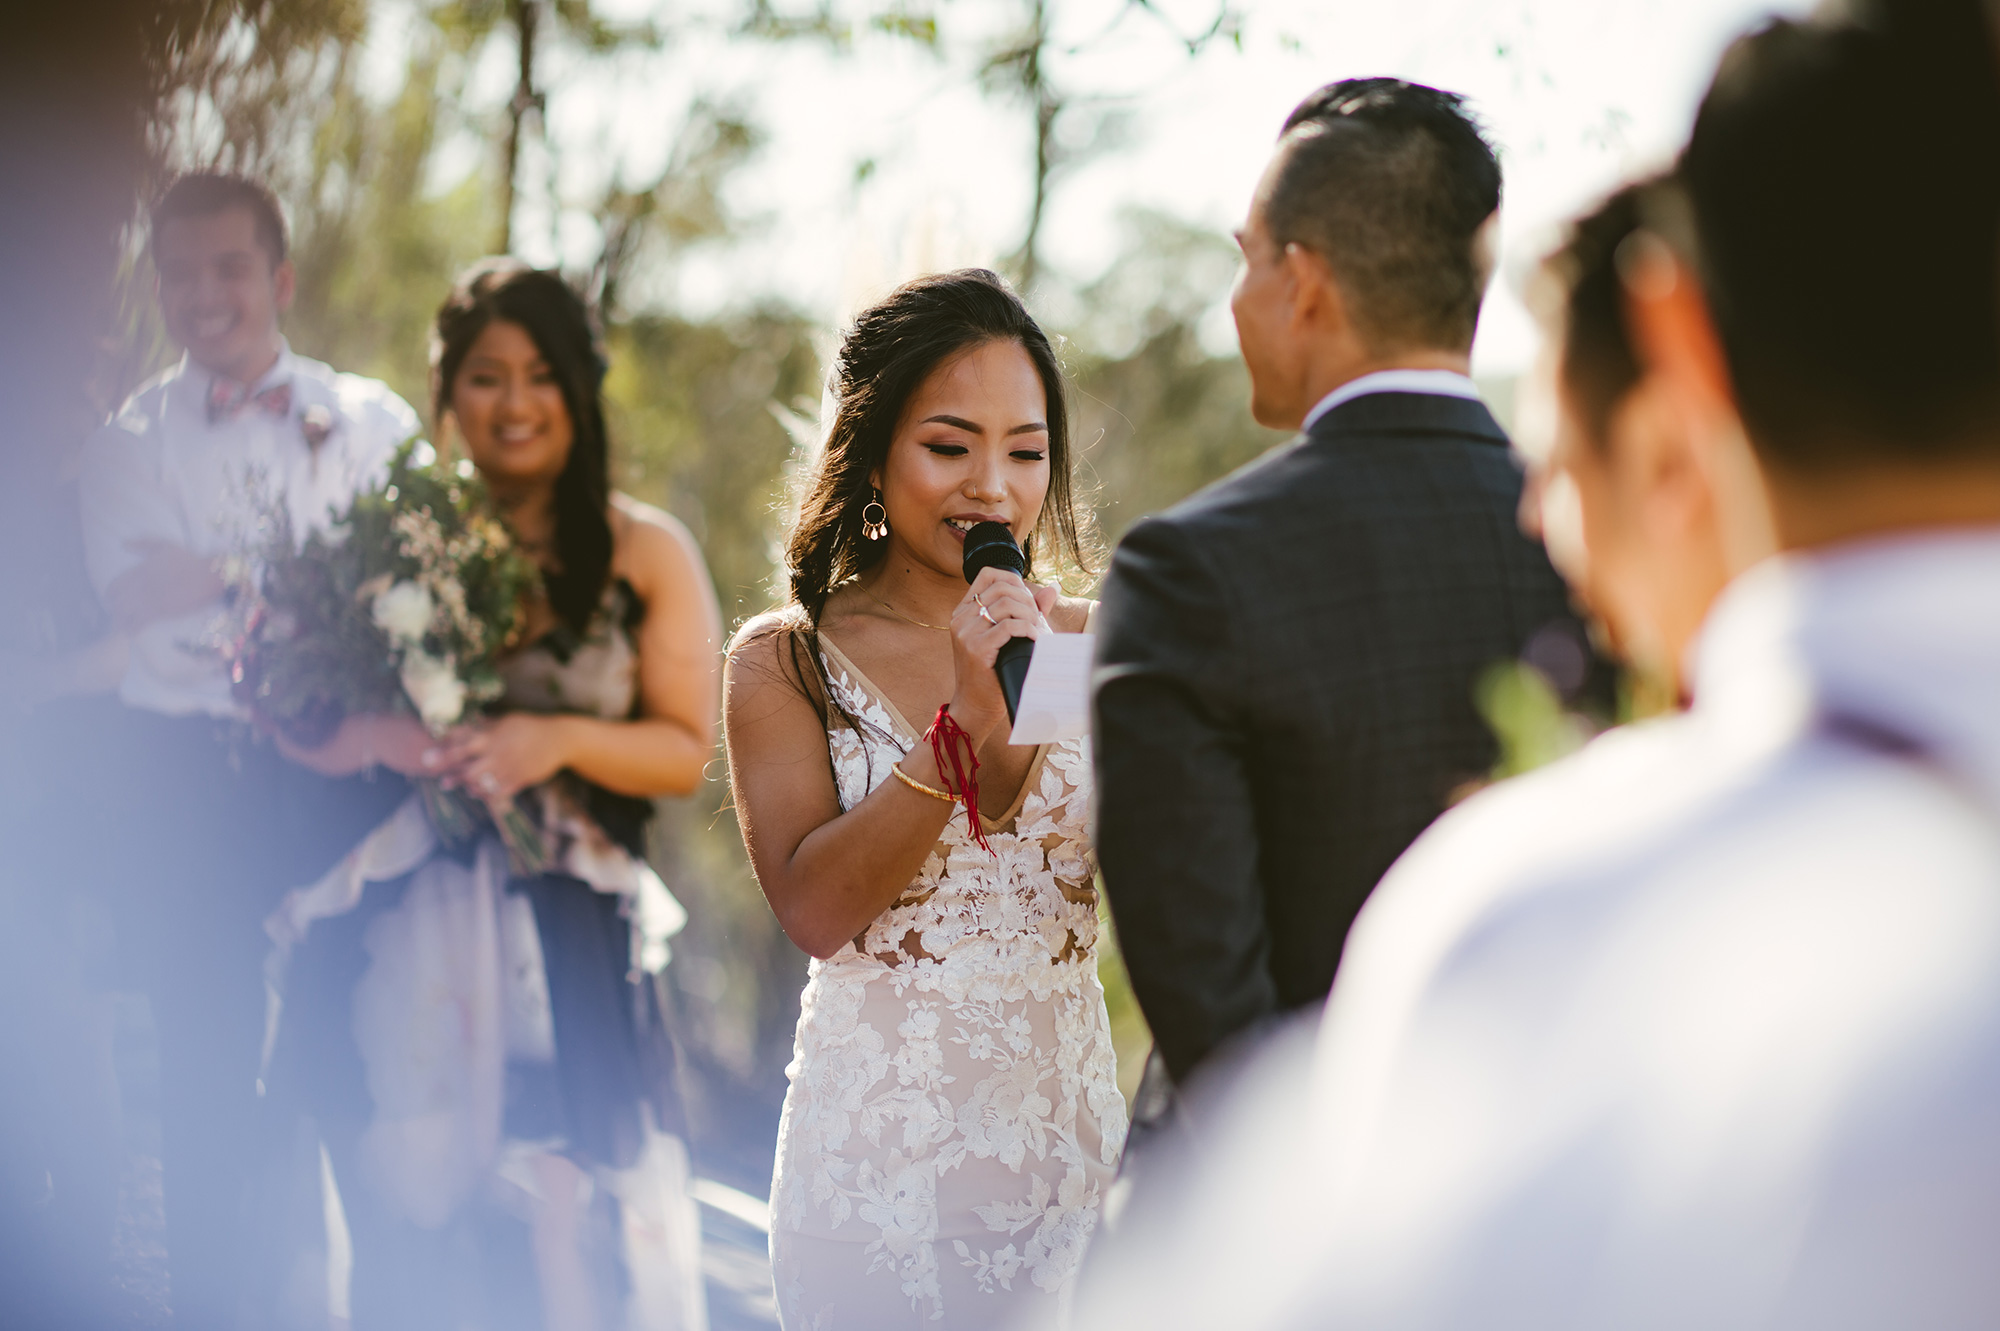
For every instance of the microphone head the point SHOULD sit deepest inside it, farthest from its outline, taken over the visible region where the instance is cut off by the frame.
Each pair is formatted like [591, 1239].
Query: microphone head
[991, 545]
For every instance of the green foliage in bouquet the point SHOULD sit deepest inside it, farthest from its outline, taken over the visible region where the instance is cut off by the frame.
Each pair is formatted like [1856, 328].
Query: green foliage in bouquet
[405, 603]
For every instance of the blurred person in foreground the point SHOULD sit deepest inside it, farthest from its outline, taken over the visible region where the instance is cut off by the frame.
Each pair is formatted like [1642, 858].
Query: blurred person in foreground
[953, 1116]
[1287, 661]
[1623, 497]
[484, 1048]
[60, 666]
[1701, 1027]
[212, 825]
[1618, 489]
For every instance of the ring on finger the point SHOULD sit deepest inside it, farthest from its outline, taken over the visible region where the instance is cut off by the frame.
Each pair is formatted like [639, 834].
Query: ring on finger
[489, 782]
[987, 615]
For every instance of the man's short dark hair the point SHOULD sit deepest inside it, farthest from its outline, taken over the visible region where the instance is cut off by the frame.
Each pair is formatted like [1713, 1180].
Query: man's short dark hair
[1845, 183]
[1581, 291]
[206, 193]
[1389, 182]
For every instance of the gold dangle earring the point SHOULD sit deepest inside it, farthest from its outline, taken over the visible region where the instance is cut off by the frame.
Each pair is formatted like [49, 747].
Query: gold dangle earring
[874, 518]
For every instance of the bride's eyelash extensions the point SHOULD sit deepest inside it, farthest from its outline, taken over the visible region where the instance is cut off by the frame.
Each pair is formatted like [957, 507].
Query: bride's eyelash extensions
[959, 451]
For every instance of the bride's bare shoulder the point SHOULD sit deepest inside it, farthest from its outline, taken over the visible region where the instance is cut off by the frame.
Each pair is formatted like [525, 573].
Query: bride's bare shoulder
[764, 636]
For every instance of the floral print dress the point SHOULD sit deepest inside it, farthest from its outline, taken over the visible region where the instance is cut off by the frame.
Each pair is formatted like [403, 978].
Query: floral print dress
[953, 1119]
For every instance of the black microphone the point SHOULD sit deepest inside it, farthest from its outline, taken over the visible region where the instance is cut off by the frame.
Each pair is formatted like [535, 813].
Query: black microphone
[991, 545]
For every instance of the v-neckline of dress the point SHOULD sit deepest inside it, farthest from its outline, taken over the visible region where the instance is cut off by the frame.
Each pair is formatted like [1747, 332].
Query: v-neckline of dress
[911, 737]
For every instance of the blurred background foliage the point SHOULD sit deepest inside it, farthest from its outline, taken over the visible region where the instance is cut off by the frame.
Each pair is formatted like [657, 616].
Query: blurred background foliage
[712, 416]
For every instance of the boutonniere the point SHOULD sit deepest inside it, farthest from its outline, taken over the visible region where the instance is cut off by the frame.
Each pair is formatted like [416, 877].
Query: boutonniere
[316, 423]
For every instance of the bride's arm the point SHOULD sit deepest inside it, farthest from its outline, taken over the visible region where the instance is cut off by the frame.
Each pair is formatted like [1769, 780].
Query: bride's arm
[828, 873]
[664, 750]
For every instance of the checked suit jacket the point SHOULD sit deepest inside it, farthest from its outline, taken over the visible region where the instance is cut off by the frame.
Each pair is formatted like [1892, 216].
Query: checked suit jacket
[1285, 697]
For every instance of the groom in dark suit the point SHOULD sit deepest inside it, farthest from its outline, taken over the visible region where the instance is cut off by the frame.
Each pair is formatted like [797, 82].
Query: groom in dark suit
[1287, 660]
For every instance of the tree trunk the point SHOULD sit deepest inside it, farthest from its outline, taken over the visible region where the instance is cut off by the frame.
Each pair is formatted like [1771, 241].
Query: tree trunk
[526, 101]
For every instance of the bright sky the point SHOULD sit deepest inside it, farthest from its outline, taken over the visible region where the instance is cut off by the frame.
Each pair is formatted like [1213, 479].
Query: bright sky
[1576, 93]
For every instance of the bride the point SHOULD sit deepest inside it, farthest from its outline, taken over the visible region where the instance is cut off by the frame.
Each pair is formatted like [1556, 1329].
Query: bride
[953, 1116]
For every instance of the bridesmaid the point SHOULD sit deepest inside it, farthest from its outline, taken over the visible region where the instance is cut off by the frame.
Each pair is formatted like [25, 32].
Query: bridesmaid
[483, 1052]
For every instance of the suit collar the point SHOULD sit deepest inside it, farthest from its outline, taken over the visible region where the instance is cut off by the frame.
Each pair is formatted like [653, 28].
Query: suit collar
[1403, 379]
[1409, 413]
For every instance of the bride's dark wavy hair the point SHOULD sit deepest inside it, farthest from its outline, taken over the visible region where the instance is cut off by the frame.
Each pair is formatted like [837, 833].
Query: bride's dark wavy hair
[893, 347]
[558, 321]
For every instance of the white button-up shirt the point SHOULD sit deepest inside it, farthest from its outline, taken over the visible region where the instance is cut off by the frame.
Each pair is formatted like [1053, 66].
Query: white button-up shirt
[1699, 1028]
[162, 470]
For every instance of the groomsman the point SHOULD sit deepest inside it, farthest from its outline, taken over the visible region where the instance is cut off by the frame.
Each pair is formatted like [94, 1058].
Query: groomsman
[1701, 1027]
[1287, 661]
[215, 825]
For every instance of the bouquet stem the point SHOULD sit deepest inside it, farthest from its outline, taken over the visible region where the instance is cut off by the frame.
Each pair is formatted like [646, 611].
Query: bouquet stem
[459, 818]
[529, 856]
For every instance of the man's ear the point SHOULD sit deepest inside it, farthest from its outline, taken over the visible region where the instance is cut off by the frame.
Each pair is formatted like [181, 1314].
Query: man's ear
[1673, 475]
[1313, 289]
[285, 282]
[1676, 341]
[1486, 249]
[1669, 319]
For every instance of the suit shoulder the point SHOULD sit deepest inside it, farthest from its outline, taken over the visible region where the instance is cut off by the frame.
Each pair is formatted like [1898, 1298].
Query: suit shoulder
[1268, 478]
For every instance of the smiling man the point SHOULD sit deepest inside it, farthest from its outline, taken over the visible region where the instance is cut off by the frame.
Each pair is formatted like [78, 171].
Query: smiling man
[1287, 660]
[213, 827]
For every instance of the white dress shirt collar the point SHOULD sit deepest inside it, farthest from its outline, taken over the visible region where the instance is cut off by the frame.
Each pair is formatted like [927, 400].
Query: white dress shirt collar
[1899, 633]
[1441, 383]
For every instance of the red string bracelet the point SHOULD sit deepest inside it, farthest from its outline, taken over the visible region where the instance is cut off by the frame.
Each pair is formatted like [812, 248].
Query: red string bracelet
[948, 740]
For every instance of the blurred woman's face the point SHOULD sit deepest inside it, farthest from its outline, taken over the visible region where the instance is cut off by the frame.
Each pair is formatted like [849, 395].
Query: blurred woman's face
[510, 410]
[972, 446]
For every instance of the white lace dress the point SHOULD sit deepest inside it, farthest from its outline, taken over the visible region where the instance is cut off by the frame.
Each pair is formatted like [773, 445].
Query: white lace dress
[954, 1117]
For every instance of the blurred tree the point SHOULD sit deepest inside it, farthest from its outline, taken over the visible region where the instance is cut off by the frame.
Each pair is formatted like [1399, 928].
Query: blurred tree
[691, 413]
[229, 77]
[681, 207]
[395, 182]
[1159, 414]
[1018, 65]
[579, 21]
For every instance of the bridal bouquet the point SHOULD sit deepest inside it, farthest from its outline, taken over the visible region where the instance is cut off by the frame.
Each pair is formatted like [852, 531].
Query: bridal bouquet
[404, 604]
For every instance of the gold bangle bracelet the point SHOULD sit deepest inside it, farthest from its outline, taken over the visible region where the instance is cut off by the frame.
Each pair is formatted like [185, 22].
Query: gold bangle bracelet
[915, 784]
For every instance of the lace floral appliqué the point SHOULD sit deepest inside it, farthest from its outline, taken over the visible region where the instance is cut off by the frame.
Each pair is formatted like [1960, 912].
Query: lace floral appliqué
[954, 1081]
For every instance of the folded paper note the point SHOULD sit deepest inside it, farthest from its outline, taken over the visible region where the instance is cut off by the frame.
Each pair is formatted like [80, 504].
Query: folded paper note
[1055, 699]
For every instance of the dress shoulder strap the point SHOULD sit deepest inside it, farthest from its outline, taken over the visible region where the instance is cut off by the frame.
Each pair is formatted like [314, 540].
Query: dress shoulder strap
[858, 681]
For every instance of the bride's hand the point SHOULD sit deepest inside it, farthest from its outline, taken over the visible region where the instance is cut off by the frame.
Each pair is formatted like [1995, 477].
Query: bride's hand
[497, 759]
[998, 606]
[397, 742]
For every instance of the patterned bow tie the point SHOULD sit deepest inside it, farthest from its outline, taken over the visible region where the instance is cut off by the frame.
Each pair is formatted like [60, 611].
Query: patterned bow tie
[227, 400]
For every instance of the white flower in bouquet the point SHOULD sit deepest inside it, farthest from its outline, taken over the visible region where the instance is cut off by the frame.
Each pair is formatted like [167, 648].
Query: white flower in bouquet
[434, 686]
[403, 610]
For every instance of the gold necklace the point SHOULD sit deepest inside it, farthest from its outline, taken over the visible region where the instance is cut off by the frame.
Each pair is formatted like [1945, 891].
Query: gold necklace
[941, 628]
